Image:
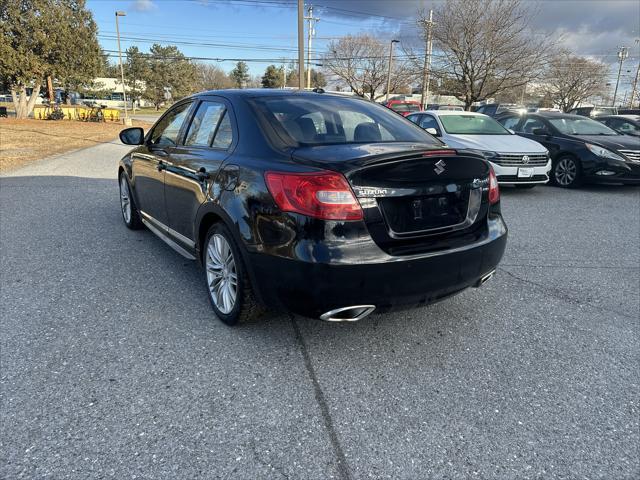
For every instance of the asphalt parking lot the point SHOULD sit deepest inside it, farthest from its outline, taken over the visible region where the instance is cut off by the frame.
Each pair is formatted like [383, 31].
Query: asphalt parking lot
[112, 365]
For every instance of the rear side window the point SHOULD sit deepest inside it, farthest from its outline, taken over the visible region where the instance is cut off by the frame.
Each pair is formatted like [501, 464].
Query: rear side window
[204, 124]
[224, 135]
[166, 132]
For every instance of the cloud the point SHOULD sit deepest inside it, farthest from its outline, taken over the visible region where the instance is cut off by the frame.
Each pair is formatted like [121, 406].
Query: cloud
[586, 27]
[143, 5]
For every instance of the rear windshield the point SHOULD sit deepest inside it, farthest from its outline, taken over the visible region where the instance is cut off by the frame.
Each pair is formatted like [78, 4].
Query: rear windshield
[472, 125]
[325, 120]
[581, 126]
[405, 107]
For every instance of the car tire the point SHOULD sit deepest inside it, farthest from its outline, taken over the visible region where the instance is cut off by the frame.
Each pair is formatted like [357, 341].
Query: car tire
[228, 285]
[128, 207]
[526, 187]
[566, 172]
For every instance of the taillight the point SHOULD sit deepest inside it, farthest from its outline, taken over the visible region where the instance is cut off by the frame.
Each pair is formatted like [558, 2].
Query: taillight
[324, 195]
[494, 190]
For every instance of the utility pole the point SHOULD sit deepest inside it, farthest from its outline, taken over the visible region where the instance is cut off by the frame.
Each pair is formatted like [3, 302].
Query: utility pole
[426, 70]
[635, 80]
[622, 54]
[311, 32]
[390, 62]
[124, 91]
[301, 44]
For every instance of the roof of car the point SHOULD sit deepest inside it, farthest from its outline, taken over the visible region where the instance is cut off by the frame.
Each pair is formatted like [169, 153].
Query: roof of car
[270, 92]
[626, 116]
[454, 112]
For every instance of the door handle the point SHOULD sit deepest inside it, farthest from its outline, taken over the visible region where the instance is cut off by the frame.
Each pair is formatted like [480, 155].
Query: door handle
[161, 166]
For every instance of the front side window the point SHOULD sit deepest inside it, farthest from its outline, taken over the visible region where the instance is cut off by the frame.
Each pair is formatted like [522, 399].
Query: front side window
[429, 122]
[166, 131]
[204, 124]
[532, 124]
[628, 127]
[581, 126]
[472, 125]
[329, 120]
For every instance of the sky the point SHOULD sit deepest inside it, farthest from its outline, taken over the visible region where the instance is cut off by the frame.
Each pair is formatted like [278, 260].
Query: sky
[264, 31]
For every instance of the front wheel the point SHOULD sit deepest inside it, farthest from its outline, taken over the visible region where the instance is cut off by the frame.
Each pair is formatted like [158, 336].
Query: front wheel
[566, 172]
[227, 282]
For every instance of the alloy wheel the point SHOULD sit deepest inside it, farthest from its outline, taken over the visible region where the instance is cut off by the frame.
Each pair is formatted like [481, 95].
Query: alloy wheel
[222, 276]
[566, 171]
[125, 199]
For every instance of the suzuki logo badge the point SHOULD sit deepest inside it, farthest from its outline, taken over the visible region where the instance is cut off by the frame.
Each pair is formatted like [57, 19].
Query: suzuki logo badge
[439, 167]
[525, 159]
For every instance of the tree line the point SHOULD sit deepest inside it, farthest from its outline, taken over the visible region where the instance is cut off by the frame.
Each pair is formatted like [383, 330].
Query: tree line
[481, 49]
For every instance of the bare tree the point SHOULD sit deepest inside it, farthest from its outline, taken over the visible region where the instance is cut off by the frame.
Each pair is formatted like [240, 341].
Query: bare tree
[361, 63]
[211, 77]
[571, 80]
[486, 47]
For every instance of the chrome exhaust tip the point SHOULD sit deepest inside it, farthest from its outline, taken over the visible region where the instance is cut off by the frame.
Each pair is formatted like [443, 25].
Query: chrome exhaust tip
[348, 314]
[484, 279]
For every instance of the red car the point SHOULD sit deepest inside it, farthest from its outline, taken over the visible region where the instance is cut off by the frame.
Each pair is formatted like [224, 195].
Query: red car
[403, 107]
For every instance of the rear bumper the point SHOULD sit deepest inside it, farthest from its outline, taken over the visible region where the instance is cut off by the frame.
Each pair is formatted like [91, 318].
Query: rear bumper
[509, 175]
[311, 288]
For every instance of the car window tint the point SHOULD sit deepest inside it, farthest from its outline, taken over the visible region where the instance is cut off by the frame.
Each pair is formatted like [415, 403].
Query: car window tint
[204, 124]
[414, 118]
[531, 124]
[429, 122]
[224, 134]
[510, 122]
[166, 132]
[328, 119]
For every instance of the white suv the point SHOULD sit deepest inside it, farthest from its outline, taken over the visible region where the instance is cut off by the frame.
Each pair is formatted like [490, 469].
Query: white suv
[516, 160]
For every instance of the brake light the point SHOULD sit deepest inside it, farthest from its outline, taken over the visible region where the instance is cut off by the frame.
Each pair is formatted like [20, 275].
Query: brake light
[494, 190]
[324, 195]
[438, 153]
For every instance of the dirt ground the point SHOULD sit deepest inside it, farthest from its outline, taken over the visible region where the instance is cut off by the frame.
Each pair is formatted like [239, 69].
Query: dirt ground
[24, 141]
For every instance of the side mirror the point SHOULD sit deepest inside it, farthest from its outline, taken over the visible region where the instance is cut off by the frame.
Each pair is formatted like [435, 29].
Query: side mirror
[432, 131]
[540, 131]
[132, 136]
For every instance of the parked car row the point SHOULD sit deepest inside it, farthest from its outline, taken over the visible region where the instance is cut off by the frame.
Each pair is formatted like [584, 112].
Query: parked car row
[527, 149]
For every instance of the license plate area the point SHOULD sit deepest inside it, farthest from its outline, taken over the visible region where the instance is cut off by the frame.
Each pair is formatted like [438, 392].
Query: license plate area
[426, 214]
[525, 172]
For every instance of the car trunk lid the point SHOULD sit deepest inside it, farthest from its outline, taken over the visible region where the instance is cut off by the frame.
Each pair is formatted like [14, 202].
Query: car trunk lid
[409, 193]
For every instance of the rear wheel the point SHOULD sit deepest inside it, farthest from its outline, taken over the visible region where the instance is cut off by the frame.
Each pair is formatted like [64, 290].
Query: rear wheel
[566, 172]
[227, 282]
[130, 213]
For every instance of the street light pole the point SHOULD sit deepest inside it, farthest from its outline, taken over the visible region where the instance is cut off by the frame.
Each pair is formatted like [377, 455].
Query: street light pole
[390, 62]
[622, 54]
[124, 91]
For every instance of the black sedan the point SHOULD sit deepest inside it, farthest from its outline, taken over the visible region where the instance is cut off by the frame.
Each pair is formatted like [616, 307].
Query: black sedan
[323, 205]
[623, 124]
[582, 149]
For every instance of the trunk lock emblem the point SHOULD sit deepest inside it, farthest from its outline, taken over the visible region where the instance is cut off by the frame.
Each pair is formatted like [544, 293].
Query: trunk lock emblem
[525, 159]
[439, 167]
